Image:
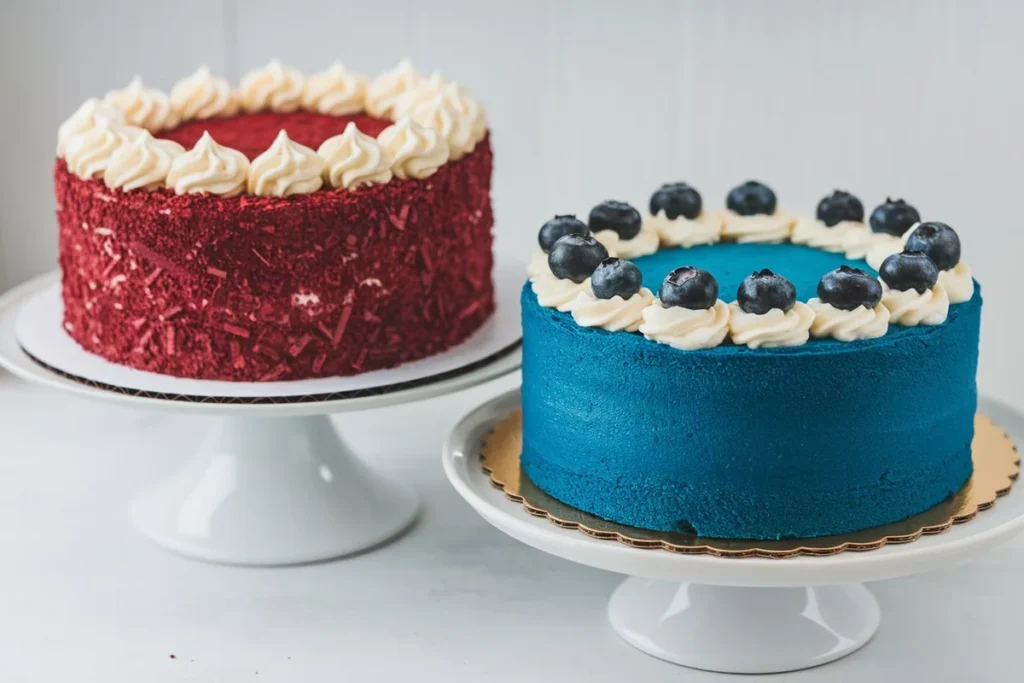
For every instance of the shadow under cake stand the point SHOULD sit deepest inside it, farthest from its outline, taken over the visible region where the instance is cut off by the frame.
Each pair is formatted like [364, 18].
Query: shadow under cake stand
[273, 482]
[735, 615]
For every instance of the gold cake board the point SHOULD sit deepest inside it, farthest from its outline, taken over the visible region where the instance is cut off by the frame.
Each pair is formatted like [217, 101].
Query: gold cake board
[996, 466]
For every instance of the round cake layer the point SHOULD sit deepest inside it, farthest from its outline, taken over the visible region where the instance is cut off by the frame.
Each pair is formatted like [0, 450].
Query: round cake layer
[733, 442]
[335, 282]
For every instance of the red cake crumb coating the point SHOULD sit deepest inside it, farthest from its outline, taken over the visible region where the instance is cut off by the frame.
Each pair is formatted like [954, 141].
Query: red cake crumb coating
[336, 282]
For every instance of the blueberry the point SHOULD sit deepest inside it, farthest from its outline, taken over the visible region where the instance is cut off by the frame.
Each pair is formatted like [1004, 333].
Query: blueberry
[939, 241]
[751, 198]
[689, 287]
[762, 291]
[559, 227]
[616, 277]
[838, 207]
[909, 270]
[676, 199]
[847, 288]
[617, 216]
[894, 217]
[575, 257]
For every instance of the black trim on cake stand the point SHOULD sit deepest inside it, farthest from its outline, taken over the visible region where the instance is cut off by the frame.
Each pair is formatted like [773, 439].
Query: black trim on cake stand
[737, 615]
[273, 483]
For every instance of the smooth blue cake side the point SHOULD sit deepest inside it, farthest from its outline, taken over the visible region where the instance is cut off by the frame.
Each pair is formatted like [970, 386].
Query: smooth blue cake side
[731, 442]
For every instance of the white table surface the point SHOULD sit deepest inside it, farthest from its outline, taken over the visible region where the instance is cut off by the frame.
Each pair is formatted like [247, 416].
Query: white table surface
[86, 598]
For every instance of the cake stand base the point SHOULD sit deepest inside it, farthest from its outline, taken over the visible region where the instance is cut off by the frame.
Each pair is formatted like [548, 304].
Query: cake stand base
[743, 629]
[273, 483]
[273, 490]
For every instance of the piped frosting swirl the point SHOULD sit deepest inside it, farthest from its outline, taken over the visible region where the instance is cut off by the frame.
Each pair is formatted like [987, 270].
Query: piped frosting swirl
[684, 232]
[86, 117]
[383, 92]
[286, 168]
[88, 153]
[143, 107]
[612, 314]
[141, 163]
[857, 243]
[815, 233]
[203, 96]
[353, 159]
[643, 243]
[209, 167]
[958, 283]
[472, 110]
[772, 329]
[911, 308]
[417, 152]
[439, 114]
[685, 328]
[335, 92]
[847, 326]
[274, 87]
[538, 265]
[553, 292]
[756, 228]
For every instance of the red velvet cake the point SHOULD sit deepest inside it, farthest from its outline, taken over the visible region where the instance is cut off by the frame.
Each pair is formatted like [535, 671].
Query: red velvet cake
[252, 257]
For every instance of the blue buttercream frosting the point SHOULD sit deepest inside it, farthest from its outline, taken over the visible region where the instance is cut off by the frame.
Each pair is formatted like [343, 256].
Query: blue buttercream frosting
[731, 442]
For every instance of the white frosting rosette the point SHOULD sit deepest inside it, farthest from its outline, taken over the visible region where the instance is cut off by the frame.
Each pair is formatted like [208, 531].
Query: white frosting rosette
[848, 325]
[143, 107]
[354, 159]
[771, 228]
[286, 168]
[612, 314]
[336, 92]
[772, 329]
[687, 329]
[681, 231]
[643, 243]
[815, 233]
[275, 87]
[558, 293]
[416, 152]
[538, 266]
[88, 116]
[209, 167]
[857, 244]
[911, 308]
[203, 96]
[958, 283]
[142, 163]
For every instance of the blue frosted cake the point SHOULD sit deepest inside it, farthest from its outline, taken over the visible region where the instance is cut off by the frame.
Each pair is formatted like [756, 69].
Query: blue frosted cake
[745, 373]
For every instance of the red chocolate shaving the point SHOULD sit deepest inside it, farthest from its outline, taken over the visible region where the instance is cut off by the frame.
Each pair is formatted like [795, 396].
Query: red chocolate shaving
[339, 331]
[296, 348]
[236, 330]
[151, 278]
[169, 341]
[262, 259]
[217, 272]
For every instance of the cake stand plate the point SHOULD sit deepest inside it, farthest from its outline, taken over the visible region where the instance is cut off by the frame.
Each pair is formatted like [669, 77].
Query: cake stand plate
[736, 615]
[273, 483]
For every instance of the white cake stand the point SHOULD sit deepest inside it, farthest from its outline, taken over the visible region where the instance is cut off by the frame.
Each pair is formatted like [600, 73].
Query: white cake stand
[746, 615]
[273, 483]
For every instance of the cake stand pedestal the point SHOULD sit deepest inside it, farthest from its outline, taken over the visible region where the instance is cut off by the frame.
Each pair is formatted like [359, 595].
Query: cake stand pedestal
[736, 615]
[273, 483]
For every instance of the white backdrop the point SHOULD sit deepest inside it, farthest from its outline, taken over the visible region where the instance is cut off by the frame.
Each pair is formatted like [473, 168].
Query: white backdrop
[591, 100]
